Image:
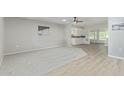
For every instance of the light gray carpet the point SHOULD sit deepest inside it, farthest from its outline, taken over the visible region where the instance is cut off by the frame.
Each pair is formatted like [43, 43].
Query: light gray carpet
[39, 62]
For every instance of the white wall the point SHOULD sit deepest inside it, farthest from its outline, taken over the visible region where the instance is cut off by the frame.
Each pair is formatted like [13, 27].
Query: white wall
[68, 35]
[116, 38]
[21, 35]
[1, 39]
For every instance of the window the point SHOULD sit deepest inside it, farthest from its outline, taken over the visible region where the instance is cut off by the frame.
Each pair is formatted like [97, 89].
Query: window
[103, 35]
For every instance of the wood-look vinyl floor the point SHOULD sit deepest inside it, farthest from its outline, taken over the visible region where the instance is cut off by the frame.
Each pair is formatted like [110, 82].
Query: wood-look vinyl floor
[96, 63]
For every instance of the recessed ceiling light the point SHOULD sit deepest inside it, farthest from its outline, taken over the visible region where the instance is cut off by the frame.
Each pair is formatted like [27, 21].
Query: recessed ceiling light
[64, 20]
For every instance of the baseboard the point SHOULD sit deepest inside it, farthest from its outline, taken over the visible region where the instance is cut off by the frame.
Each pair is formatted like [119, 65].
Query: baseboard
[116, 57]
[11, 53]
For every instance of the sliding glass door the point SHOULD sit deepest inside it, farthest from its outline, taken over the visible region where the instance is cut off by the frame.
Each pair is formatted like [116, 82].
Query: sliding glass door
[98, 36]
[93, 37]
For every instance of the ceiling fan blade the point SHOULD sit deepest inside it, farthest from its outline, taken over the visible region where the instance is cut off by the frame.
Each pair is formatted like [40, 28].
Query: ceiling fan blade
[80, 21]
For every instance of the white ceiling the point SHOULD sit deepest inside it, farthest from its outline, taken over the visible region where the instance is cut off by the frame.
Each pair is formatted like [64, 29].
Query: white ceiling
[87, 20]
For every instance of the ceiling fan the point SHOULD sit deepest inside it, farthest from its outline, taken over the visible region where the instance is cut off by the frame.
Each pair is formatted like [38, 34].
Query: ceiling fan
[75, 20]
